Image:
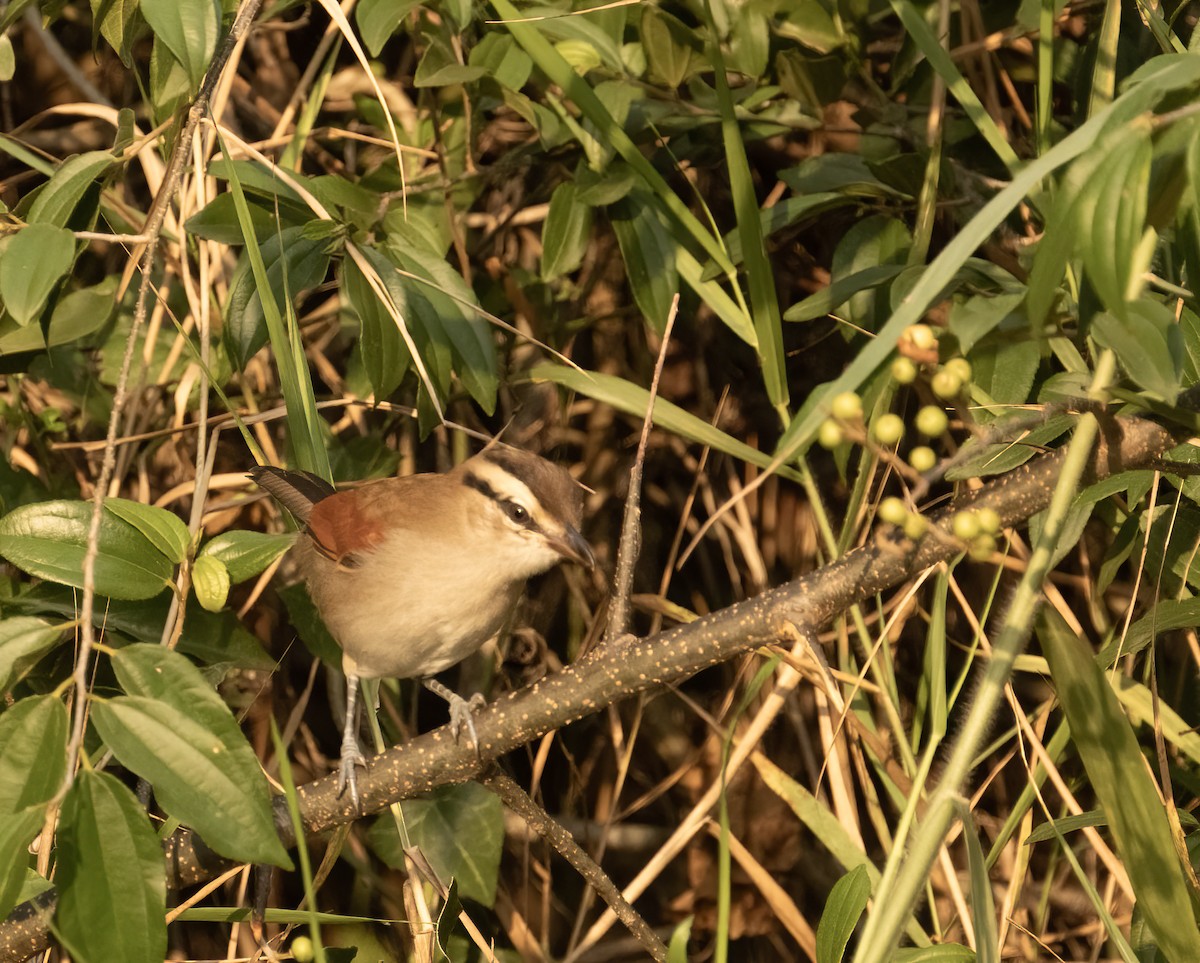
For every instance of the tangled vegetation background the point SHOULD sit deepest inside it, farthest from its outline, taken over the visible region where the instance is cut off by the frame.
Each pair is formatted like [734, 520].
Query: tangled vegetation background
[919, 250]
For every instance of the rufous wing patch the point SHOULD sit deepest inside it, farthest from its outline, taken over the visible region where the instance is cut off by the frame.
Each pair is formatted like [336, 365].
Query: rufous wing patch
[342, 525]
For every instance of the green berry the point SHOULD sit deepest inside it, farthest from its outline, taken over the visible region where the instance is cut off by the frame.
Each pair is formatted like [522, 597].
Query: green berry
[946, 384]
[960, 367]
[982, 548]
[989, 520]
[302, 949]
[830, 434]
[921, 337]
[892, 511]
[922, 458]
[888, 429]
[904, 370]
[965, 525]
[932, 421]
[915, 525]
[847, 406]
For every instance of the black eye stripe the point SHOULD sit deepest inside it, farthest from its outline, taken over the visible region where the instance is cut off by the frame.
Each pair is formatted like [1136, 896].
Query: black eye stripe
[515, 512]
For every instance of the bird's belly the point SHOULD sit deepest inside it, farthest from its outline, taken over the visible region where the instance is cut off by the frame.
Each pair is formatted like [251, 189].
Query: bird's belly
[409, 626]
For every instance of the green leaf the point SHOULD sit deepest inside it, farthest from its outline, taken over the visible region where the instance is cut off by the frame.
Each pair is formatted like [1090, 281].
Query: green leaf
[74, 178]
[195, 776]
[439, 67]
[111, 877]
[1147, 343]
[565, 233]
[1005, 456]
[23, 642]
[648, 250]
[189, 30]
[210, 582]
[218, 221]
[377, 20]
[499, 57]
[385, 356]
[455, 319]
[943, 953]
[222, 794]
[34, 261]
[306, 620]
[75, 316]
[460, 829]
[246, 554]
[163, 529]
[33, 753]
[830, 298]
[294, 263]
[118, 22]
[1111, 218]
[1166, 616]
[677, 949]
[1117, 773]
[49, 539]
[8, 59]
[633, 400]
[16, 833]
[843, 908]
[673, 52]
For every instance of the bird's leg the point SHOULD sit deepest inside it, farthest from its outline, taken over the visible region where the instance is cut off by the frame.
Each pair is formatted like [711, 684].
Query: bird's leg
[462, 711]
[351, 755]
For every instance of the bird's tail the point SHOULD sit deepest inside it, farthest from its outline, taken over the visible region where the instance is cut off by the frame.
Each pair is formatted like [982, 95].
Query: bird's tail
[297, 491]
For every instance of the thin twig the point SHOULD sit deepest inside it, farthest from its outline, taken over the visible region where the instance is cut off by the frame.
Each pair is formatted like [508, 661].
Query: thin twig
[631, 526]
[516, 799]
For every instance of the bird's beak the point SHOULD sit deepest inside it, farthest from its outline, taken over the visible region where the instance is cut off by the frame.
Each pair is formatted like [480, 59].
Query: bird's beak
[570, 544]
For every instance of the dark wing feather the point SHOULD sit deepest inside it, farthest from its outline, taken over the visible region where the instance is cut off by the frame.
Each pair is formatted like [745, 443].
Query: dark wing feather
[297, 491]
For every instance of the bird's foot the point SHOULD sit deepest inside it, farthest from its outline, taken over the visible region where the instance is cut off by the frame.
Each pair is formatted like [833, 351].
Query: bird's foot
[352, 758]
[462, 715]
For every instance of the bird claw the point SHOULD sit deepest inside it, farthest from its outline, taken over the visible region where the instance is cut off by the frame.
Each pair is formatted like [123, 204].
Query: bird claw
[462, 716]
[352, 758]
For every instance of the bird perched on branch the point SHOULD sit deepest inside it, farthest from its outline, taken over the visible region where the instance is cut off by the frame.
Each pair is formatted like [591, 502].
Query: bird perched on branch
[412, 575]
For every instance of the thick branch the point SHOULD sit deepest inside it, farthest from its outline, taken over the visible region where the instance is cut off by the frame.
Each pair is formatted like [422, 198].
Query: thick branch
[614, 672]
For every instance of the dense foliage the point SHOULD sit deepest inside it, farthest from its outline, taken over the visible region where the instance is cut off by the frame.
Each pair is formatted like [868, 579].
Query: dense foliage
[888, 252]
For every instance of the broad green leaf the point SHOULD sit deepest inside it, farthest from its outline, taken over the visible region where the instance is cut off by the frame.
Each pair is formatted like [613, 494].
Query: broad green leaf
[455, 319]
[1117, 773]
[171, 680]
[843, 908]
[565, 233]
[196, 777]
[648, 250]
[305, 619]
[164, 529]
[35, 259]
[830, 298]
[943, 953]
[210, 582]
[439, 67]
[246, 554]
[983, 907]
[75, 316]
[673, 52]
[189, 30]
[49, 540]
[1005, 456]
[111, 877]
[1111, 216]
[1144, 708]
[1148, 345]
[33, 753]
[1166, 616]
[218, 221]
[16, 833]
[460, 829]
[294, 263]
[118, 22]
[8, 59]
[385, 356]
[501, 59]
[23, 642]
[1004, 371]
[74, 178]
[377, 20]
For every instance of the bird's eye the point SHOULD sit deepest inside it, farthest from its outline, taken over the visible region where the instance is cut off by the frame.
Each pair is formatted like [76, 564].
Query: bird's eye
[516, 512]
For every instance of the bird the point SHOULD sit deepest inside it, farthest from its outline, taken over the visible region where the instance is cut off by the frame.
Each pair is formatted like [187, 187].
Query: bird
[413, 574]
